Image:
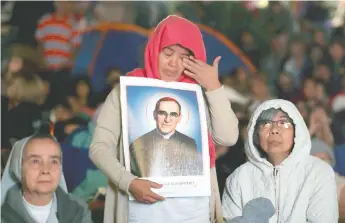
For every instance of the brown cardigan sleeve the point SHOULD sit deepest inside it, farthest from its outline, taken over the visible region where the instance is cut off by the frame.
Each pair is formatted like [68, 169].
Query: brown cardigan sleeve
[105, 142]
[223, 122]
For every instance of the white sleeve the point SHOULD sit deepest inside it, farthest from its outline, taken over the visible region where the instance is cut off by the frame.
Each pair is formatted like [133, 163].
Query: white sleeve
[231, 202]
[323, 204]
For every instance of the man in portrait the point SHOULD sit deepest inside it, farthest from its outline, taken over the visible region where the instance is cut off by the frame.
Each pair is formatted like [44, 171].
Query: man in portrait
[165, 152]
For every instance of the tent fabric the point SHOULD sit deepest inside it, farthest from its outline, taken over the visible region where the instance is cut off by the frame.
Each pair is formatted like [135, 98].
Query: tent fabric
[114, 45]
[75, 165]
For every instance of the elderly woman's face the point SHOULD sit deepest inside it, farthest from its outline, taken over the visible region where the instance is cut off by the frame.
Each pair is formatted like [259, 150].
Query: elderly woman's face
[41, 166]
[277, 136]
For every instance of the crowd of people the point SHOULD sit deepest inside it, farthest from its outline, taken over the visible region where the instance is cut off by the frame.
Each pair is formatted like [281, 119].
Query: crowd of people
[300, 79]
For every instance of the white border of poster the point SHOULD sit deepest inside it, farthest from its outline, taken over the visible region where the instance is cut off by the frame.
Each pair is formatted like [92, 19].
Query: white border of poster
[175, 186]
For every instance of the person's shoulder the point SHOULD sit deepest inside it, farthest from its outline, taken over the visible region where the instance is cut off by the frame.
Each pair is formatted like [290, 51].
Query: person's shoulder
[318, 167]
[46, 17]
[242, 175]
[149, 134]
[185, 138]
[244, 170]
[70, 199]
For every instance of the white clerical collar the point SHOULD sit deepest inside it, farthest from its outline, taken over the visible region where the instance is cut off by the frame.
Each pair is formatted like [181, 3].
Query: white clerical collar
[166, 136]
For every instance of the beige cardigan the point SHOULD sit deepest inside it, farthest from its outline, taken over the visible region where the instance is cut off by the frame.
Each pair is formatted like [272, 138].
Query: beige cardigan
[106, 151]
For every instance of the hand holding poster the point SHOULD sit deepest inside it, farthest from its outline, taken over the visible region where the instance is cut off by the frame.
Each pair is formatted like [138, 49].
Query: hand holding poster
[165, 135]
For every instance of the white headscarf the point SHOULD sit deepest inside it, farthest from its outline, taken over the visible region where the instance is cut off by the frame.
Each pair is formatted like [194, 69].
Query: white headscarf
[12, 174]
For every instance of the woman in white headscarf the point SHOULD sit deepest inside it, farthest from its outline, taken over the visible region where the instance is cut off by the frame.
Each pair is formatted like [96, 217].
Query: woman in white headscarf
[301, 187]
[33, 188]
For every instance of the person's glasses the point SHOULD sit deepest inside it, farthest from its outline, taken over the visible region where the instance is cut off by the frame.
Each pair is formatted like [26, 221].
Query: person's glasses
[282, 124]
[166, 114]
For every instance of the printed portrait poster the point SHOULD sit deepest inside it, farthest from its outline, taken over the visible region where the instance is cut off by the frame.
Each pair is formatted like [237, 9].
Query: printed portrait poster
[165, 135]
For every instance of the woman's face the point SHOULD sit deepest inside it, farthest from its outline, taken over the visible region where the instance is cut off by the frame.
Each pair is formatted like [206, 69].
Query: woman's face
[309, 89]
[319, 38]
[285, 82]
[277, 137]
[15, 64]
[170, 62]
[82, 89]
[323, 72]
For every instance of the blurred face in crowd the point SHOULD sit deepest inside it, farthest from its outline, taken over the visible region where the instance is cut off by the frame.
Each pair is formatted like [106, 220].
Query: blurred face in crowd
[336, 51]
[83, 89]
[297, 49]
[259, 88]
[41, 167]
[170, 62]
[64, 7]
[285, 82]
[323, 73]
[320, 91]
[277, 135]
[62, 113]
[167, 116]
[309, 89]
[319, 38]
[15, 64]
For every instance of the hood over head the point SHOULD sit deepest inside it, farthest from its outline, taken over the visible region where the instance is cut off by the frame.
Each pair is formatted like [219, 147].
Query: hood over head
[13, 171]
[302, 142]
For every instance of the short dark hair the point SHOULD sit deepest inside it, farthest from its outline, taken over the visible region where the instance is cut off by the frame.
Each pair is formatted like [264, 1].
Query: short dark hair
[167, 99]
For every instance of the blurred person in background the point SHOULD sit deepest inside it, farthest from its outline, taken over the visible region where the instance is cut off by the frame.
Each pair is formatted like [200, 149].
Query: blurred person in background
[316, 54]
[338, 109]
[23, 59]
[304, 109]
[230, 158]
[250, 47]
[286, 88]
[319, 38]
[325, 153]
[308, 92]
[81, 96]
[58, 36]
[233, 95]
[21, 107]
[323, 74]
[319, 126]
[238, 81]
[259, 92]
[337, 52]
[297, 61]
